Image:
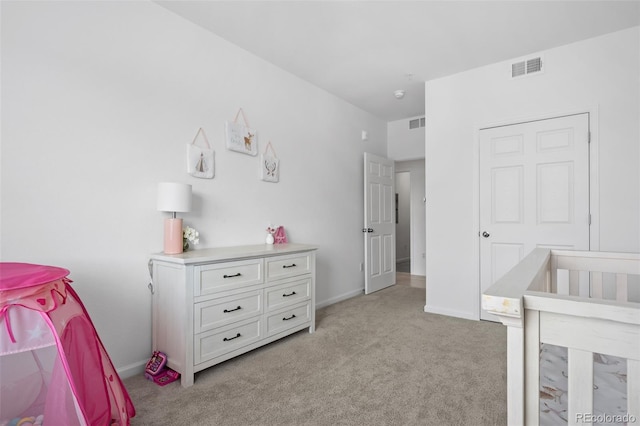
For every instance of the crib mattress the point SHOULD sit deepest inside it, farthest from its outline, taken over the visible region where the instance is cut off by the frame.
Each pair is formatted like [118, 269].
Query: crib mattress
[609, 386]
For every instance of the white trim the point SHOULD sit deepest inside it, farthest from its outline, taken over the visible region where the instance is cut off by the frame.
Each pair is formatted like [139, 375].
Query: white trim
[594, 177]
[449, 312]
[340, 298]
[476, 220]
[132, 369]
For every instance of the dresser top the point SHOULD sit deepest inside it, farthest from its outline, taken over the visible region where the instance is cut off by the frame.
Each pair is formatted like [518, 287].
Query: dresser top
[223, 254]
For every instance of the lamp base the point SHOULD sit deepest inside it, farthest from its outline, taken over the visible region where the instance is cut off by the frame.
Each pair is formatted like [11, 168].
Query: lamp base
[173, 236]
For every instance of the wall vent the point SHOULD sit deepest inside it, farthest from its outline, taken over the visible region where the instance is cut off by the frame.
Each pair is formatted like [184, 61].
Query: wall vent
[416, 123]
[518, 69]
[526, 67]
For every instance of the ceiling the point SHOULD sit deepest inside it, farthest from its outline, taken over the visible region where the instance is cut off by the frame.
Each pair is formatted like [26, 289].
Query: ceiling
[362, 51]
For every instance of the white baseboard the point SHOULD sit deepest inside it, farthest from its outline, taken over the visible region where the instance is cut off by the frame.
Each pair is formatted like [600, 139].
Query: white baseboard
[132, 369]
[450, 312]
[340, 298]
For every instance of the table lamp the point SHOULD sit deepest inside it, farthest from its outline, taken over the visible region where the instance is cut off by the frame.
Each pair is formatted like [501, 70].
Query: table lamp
[173, 197]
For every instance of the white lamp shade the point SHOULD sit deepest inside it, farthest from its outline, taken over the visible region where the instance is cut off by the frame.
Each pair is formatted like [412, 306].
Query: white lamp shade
[174, 197]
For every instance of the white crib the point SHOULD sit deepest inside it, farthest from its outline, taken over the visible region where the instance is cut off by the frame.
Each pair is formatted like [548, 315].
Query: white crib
[576, 300]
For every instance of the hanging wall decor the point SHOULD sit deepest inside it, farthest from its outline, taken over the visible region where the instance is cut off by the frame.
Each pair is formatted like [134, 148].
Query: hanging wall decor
[270, 165]
[241, 137]
[200, 157]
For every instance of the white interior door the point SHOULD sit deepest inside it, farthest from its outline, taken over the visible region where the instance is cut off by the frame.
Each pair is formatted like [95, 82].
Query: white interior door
[534, 192]
[379, 223]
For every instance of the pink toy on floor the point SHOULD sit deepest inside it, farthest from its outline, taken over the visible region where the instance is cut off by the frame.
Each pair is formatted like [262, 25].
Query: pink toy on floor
[157, 372]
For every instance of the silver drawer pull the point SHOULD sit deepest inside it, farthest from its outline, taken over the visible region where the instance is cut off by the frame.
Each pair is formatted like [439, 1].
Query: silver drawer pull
[226, 339]
[290, 294]
[226, 311]
[289, 266]
[291, 317]
[232, 276]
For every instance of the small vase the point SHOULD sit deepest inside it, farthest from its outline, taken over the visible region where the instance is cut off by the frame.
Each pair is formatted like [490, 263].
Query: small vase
[269, 239]
[185, 245]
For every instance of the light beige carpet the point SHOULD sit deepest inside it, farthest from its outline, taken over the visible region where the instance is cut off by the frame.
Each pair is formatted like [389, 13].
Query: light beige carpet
[377, 359]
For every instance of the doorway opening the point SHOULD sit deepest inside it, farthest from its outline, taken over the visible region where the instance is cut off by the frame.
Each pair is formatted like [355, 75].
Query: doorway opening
[410, 223]
[403, 221]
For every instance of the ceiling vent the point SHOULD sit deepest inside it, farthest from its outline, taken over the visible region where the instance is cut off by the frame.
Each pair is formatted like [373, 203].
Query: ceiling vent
[526, 67]
[416, 123]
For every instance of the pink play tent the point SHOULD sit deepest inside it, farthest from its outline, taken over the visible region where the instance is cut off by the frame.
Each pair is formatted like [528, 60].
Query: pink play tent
[54, 369]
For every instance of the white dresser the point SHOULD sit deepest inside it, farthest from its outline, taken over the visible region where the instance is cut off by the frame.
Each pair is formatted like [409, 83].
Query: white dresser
[211, 305]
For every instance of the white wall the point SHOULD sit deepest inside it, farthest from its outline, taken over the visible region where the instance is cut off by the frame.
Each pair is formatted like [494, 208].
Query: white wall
[99, 100]
[600, 75]
[416, 170]
[404, 143]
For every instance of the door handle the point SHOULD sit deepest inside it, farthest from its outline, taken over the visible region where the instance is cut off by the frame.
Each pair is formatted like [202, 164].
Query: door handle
[486, 234]
[367, 230]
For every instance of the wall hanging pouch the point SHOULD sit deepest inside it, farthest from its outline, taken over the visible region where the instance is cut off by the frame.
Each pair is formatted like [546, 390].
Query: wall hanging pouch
[200, 159]
[269, 165]
[240, 137]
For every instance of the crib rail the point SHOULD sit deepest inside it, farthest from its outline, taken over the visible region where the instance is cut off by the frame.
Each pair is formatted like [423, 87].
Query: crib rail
[577, 300]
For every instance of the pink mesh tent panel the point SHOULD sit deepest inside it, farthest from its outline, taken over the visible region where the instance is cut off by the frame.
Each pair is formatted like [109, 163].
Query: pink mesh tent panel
[53, 366]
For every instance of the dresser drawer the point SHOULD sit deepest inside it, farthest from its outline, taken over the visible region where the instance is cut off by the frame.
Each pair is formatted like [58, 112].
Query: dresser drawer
[294, 291]
[288, 318]
[218, 312]
[288, 266]
[221, 341]
[226, 276]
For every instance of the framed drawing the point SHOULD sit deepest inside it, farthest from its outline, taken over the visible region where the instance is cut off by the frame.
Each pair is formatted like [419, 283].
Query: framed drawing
[269, 165]
[200, 157]
[241, 137]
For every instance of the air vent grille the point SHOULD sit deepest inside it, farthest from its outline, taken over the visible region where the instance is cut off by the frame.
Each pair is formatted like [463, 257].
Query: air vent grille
[526, 67]
[416, 123]
[534, 65]
[518, 69]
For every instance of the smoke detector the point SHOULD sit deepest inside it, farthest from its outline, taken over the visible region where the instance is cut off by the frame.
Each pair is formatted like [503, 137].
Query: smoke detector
[399, 94]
